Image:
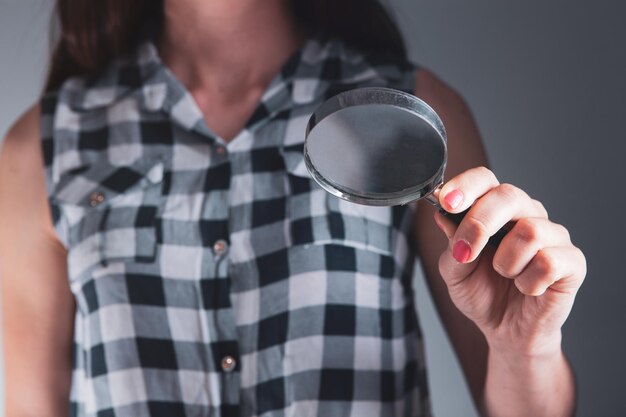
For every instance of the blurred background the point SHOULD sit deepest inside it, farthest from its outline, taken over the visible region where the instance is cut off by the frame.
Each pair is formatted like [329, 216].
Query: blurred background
[547, 84]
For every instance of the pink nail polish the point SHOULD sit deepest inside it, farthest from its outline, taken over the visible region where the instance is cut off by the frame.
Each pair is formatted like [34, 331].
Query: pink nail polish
[461, 251]
[454, 198]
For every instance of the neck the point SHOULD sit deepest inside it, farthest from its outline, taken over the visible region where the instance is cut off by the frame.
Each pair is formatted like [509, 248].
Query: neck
[225, 44]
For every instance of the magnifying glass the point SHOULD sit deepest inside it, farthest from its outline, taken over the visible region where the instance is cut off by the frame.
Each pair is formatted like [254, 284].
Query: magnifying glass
[380, 147]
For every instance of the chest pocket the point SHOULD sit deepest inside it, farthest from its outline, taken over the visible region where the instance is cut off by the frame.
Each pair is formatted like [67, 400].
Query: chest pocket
[316, 216]
[110, 213]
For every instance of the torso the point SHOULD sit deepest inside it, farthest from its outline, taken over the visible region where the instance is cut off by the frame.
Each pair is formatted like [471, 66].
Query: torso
[186, 250]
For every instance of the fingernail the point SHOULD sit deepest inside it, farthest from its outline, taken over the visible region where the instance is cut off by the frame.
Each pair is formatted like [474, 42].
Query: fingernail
[454, 198]
[461, 251]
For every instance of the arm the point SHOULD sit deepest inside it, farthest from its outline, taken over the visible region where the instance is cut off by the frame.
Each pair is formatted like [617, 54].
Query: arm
[511, 355]
[37, 305]
[465, 150]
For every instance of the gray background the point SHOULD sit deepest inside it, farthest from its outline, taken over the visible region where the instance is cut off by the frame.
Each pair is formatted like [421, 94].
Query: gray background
[547, 84]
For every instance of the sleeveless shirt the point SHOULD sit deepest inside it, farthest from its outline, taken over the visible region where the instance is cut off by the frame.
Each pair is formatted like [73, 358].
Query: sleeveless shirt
[218, 279]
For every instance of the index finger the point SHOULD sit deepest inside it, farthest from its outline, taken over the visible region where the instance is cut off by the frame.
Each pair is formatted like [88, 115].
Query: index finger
[459, 193]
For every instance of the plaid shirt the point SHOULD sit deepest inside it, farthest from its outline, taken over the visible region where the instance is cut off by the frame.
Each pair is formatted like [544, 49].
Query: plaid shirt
[217, 279]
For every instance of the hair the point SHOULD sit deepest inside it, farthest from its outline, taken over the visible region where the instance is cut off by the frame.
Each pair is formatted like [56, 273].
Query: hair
[93, 33]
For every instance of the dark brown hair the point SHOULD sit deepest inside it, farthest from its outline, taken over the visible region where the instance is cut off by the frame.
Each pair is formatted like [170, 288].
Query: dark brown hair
[94, 32]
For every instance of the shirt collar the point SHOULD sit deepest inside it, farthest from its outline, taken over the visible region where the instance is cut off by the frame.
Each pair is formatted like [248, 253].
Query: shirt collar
[317, 70]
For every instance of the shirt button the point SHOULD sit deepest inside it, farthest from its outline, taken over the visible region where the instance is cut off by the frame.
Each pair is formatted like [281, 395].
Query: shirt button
[220, 150]
[219, 247]
[96, 198]
[228, 363]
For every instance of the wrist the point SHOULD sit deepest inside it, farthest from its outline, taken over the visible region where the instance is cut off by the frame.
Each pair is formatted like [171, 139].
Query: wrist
[537, 348]
[534, 385]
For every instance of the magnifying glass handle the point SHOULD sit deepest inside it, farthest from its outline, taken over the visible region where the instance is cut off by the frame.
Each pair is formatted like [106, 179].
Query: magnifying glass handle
[494, 241]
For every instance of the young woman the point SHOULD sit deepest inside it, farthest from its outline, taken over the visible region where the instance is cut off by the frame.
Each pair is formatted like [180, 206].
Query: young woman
[163, 253]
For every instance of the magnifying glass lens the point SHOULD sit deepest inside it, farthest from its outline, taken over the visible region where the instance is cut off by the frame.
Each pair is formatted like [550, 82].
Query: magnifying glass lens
[376, 150]
[380, 147]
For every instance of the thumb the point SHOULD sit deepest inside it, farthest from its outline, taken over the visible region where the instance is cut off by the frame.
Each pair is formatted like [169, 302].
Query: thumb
[453, 271]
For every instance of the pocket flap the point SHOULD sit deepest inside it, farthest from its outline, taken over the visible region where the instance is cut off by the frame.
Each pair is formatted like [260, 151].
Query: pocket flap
[97, 184]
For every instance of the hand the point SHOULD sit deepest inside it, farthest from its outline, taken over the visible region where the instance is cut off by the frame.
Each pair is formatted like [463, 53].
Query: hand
[520, 294]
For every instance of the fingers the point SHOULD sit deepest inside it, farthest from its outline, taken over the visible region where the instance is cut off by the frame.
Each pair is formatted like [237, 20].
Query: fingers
[559, 268]
[489, 214]
[524, 241]
[451, 270]
[493, 205]
[446, 226]
[461, 191]
[536, 253]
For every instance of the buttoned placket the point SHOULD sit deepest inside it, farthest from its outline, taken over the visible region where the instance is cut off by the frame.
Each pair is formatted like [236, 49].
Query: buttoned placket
[169, 96]
[223, 346]
[225, 331]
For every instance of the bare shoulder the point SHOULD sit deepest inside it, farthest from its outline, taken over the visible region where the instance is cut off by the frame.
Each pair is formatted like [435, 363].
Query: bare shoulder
[465, 146]
[433, 89]
[23, 196]
[20, 141]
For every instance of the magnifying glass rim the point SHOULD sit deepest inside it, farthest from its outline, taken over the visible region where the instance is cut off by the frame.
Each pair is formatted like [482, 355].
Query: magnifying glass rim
[365, 96]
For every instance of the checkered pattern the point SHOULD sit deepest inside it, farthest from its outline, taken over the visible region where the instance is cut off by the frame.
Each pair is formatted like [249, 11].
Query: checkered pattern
[310, 295]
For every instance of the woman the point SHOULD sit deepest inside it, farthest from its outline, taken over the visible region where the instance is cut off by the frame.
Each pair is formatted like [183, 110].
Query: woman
[168, 256]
